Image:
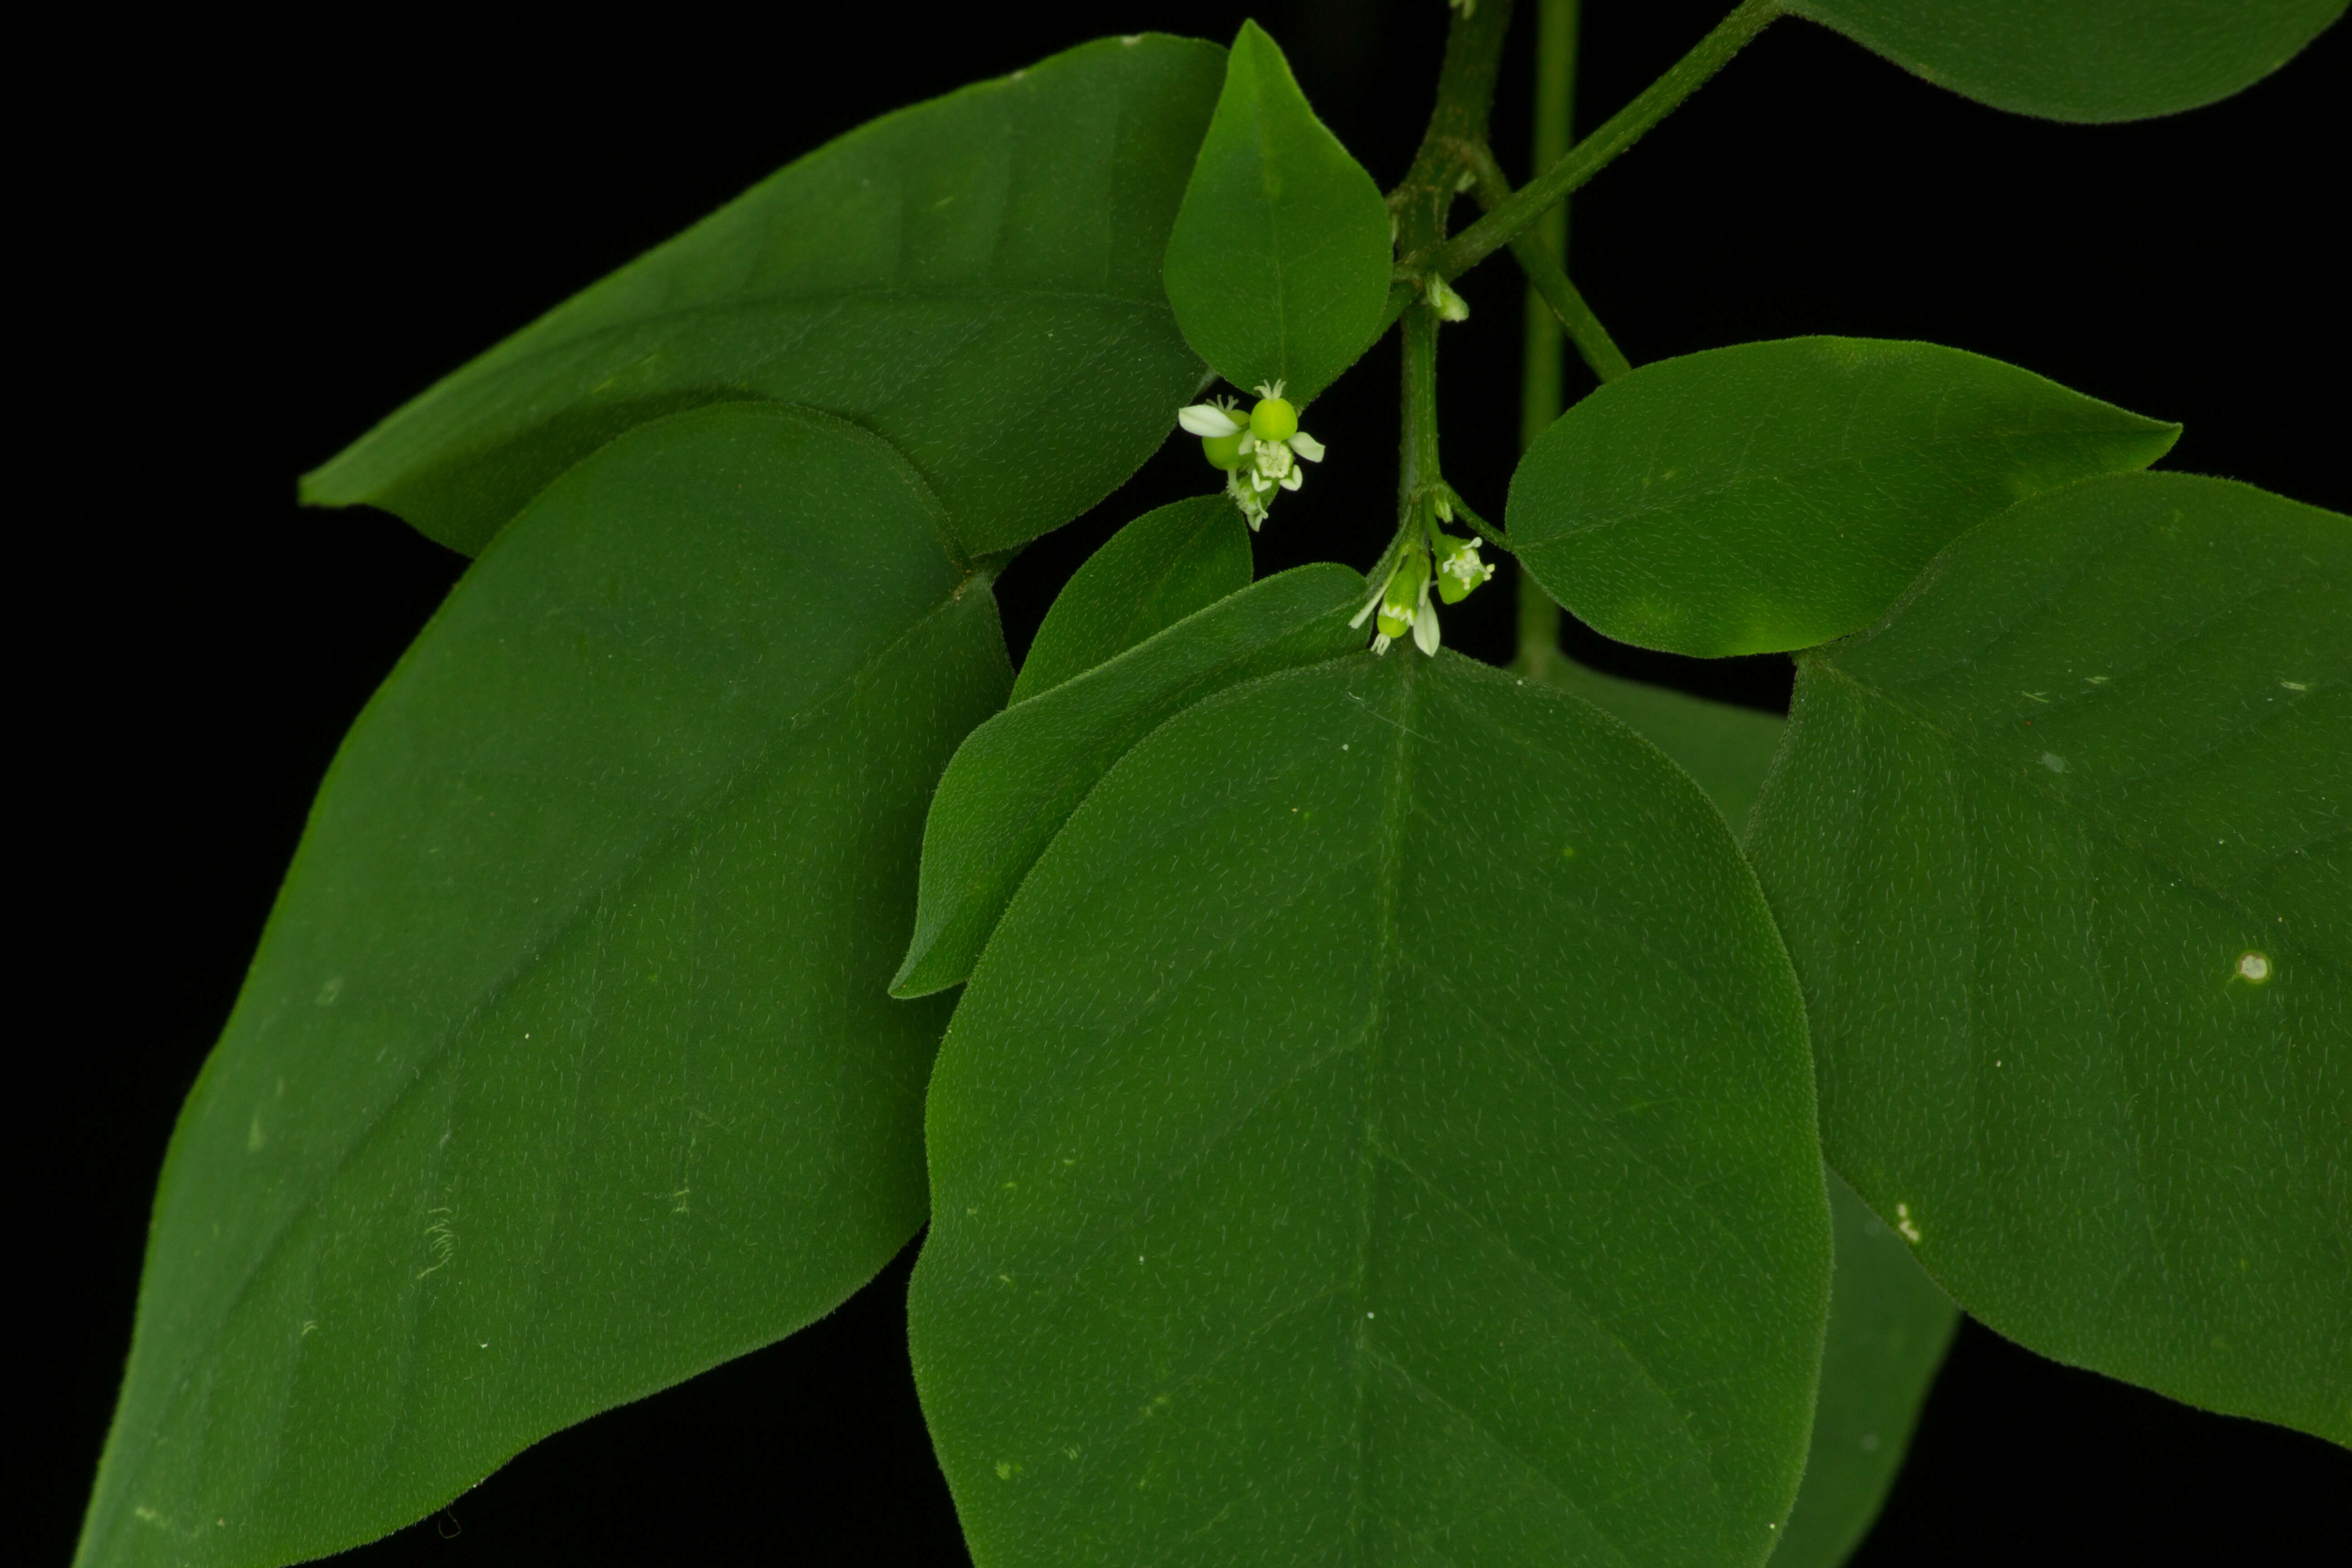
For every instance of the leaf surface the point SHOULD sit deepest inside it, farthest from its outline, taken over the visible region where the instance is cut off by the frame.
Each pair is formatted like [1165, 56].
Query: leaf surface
[1158, 569]
[1378, 1128]
[2061, 849]
[1278, 264]
[1889, 1325]
[2083, 60]
[1775, 495]
[1015, 782]
[977, 279]
[566, 1070]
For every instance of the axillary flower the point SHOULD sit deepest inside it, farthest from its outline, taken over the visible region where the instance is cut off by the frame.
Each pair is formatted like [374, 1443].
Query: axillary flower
[1259, 451]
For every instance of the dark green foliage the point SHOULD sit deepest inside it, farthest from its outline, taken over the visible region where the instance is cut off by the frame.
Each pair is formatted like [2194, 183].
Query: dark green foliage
[539, 1096]
[942, 277]
[1775, 495]
[1278, 267]
[1153, 573]
[2083, 60]
[1380, 1121]
[2061, 851]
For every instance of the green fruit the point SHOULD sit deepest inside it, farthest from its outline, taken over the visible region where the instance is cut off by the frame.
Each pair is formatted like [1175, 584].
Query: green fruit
[1222, 451]
[1273, 419]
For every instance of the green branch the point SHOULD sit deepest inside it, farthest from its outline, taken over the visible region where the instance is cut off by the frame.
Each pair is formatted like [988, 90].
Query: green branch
[1454, 257]
[1549, 282]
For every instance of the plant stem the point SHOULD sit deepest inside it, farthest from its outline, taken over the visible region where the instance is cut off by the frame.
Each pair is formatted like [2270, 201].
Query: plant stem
[1548, 286]
[1541, 394]
[1466, 100]
[1586, 158]
[1417, 458]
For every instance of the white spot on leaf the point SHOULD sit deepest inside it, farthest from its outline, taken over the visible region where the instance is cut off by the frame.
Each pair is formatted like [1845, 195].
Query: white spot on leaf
[1903, 1222]
[2255, 968]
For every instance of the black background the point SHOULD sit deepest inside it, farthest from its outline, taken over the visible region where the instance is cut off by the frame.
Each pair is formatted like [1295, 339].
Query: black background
[266, 239]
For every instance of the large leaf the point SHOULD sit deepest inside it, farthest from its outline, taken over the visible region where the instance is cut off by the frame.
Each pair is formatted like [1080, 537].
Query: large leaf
[565, 1069]
[1015, 782]
[2083, 60]
[1158, 569]
[977, 279]
[1889, 1327]
[1380, 1127]
[1775, 495]
[1279, 266]
[2061, 851]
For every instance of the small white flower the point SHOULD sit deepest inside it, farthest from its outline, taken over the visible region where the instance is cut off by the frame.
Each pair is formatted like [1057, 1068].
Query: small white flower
[1211, 420]
[1424, 624]
[1260, 450]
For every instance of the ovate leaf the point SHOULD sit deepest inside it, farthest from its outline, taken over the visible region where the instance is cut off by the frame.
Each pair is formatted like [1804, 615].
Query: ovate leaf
[1279, 266]
[1017, 778]
[1775, 495]
[976, 278]
[2083, 60]
[2061, 851]
[566, 1068]
[1889, 1327]
[1153, 572]
[1377, 1131]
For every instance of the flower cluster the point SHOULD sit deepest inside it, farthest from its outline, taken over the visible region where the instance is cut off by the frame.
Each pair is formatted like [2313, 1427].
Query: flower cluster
[1259, 451]
[1446, 565]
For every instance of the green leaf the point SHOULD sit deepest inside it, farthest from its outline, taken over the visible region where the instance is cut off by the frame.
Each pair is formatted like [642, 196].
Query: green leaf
[1015, 782]
[2083, 60]
[565, 1069]
[1379, 1128]
[1889, 1327]
[2061, 851]
[1153, 572]
[1727, 749]
[1279, 266]
[1775, 495]
[977, 279]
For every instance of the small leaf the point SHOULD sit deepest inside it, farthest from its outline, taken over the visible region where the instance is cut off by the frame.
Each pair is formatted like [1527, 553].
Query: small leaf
[1380, 1119]
[1016, 779]
[1889, 1328]
[565, 1069]
[2061, 849]
[1776, 495]
[1279, 265]
[1153, 572]
[2083, 60]
[977, 279]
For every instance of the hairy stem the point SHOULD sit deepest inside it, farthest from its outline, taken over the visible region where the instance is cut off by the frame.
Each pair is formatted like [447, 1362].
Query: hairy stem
[1417, 461]
[1450, 257]
[1466, 100]
[1549, 287]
